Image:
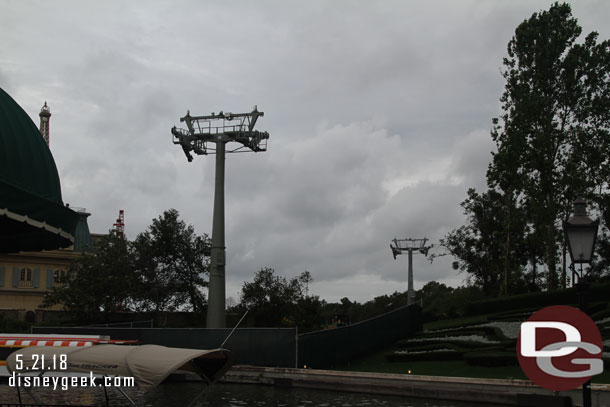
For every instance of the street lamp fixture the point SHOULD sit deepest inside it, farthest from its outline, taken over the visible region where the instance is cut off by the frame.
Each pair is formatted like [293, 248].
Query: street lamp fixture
[581, 233]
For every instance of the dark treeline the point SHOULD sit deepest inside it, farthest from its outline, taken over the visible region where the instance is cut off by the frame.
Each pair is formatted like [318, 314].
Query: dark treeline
[274, 301]
[163, 269]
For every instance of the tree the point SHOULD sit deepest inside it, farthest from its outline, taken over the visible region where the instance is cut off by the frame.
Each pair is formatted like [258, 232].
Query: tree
[305, 278]
[308, 315]
[273, 300]
[170, 263]
[103, 280]
[553, 144]
[489, 250]
[162, 270]
[441, 302]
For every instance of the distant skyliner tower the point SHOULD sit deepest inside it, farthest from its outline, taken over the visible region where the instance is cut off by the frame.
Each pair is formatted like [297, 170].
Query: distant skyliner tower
[45, 118]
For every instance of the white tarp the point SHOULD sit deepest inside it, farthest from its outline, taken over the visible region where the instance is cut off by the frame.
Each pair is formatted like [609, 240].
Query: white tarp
[148, 364]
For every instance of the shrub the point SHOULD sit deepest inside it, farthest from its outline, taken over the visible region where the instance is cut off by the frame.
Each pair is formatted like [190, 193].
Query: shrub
[418, 346]
[512, 317]
[488, 331]
[536, 300]
[601, 315]
[11, 325]
[490, 359]
[446, 341]
[427, 356]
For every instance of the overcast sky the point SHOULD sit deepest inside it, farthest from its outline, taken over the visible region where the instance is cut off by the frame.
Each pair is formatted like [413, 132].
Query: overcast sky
[378, 112]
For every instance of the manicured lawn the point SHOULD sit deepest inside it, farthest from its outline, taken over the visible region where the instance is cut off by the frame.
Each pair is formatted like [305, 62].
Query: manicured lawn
[376, 362]
[454, 368]
[456, 322]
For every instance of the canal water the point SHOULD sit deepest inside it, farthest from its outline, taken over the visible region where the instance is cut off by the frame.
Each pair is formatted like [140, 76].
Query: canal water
[225, 395]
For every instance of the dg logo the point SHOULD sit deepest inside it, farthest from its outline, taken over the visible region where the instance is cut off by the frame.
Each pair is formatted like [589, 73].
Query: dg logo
[560, 348]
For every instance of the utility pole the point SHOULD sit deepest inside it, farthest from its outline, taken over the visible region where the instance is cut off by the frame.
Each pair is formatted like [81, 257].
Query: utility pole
[211, 135]
[399, 246]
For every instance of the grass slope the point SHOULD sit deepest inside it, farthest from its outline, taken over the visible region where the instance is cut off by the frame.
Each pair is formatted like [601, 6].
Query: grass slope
[376, 362]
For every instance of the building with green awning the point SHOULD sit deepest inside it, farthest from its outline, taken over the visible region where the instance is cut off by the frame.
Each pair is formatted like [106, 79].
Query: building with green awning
[39, 236]
[33, 216]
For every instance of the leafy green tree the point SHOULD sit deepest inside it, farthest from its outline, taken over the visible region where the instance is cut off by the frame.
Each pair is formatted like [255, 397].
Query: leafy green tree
[101, 280]
[171, 265]
[553, 144]
[487, 249]
[599, 271]
[434, 296]
[162, 270]
[345, 310]
[273, 300]
[305, 279]
[270, 298]
[442, 302]
[308, 315]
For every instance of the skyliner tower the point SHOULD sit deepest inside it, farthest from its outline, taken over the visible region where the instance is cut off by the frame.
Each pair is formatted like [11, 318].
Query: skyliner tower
[211, 135]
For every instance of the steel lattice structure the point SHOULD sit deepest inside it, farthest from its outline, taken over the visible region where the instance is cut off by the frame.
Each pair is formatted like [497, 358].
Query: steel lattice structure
[201, 135]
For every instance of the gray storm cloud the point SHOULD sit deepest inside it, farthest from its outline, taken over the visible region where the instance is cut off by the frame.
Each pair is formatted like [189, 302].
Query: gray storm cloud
[379, 115]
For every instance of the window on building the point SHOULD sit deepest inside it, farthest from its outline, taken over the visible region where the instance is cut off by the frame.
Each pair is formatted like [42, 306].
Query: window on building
[59, 277]
[25, 277]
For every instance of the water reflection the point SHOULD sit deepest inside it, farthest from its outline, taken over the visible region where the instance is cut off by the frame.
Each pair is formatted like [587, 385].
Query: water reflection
[223, 395]
[229, 395]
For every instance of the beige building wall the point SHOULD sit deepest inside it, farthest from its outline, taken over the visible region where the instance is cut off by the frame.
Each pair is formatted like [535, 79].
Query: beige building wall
[25, 277]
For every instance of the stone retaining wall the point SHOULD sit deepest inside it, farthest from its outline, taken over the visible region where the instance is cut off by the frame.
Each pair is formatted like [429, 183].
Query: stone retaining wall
[489, 391]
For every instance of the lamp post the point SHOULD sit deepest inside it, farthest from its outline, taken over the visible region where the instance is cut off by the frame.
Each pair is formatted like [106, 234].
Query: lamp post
[581, 233]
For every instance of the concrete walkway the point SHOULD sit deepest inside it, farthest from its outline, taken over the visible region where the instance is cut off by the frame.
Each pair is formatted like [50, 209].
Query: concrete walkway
[487, 391]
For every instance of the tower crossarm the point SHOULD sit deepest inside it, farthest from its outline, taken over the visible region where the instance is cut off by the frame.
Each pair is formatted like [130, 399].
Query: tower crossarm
[254, 140]
[398, 246]
[220, 127]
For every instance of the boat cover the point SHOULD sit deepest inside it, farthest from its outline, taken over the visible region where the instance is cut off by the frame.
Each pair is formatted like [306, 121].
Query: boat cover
[149, 365]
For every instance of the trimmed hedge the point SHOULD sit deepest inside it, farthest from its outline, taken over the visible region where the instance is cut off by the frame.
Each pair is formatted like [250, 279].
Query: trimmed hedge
[596, 307]
[491, 359]
[512, 317]
[430, 346]
[449, 342]
[602, 314]
[12, 325]
[512, 313]
[489, 332]
[470, 330]
[596, 292]
[428, 356]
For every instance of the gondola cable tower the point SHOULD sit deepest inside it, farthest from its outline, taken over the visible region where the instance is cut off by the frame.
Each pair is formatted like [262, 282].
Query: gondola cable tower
[210, 135]
[398, 247]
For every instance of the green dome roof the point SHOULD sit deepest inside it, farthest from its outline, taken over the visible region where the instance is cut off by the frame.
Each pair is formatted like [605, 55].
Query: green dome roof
[32, 214]
[25, 159]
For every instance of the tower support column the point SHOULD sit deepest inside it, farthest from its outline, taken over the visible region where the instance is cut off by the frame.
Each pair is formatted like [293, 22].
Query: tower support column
[216, 288]
[410, 291]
